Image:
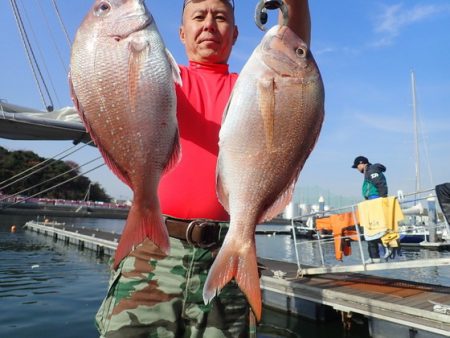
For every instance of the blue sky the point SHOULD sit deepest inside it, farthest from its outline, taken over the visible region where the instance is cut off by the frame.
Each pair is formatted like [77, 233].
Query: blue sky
[365, 50]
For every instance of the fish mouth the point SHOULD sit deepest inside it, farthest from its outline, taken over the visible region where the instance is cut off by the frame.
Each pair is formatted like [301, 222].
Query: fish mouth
[119, 37]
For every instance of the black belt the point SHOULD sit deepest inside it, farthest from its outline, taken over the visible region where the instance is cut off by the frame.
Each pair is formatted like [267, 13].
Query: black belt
[200, 233]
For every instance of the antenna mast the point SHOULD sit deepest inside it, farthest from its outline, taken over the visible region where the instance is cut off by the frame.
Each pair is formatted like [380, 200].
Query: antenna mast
[416, 130]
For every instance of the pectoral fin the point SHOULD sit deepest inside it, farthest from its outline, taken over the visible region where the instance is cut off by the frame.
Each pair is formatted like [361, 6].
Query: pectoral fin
[266, 100]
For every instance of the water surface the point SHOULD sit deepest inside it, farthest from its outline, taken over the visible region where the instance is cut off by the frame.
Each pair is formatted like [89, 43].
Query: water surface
[49, 289]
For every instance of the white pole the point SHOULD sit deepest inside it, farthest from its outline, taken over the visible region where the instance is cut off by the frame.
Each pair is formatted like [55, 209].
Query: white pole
[416, 130]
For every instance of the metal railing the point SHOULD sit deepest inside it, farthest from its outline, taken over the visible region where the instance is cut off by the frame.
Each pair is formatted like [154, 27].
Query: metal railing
[433, 225]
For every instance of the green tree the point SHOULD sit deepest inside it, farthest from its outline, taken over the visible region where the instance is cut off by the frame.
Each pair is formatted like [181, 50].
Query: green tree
[45, 177]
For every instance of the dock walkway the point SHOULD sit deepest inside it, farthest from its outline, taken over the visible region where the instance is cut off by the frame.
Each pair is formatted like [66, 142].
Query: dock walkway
[394, 308]
[408, 306]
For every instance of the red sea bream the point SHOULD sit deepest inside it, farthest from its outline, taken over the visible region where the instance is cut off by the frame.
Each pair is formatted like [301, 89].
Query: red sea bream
[123, 85]
[270, 127]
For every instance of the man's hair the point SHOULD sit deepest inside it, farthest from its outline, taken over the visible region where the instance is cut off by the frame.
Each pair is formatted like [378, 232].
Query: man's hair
[185, 2]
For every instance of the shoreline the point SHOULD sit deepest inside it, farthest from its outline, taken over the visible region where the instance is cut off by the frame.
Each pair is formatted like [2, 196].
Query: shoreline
[63, 211]
[87, 212]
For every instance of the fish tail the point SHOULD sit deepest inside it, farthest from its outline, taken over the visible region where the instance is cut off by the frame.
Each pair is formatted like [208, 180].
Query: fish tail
[142, 224]
[238, 262]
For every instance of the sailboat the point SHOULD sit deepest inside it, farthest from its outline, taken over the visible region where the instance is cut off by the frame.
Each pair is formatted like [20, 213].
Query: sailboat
[422, 226]
[23, 123]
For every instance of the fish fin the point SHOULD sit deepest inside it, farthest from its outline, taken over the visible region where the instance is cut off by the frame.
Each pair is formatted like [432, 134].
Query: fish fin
[227, 107]
[222, 192]
[175, 154]
[266, 96]
[112, 164]
[142, 223]
[109, 162]
[280, 203]
[238, 262]
[135, 61]
[285, 196]
[175, 69]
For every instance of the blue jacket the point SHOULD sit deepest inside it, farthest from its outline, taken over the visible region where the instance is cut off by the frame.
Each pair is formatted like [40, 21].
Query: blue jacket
[374, 184]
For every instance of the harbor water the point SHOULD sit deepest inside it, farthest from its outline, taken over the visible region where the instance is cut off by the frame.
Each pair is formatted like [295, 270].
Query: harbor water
[49, 289]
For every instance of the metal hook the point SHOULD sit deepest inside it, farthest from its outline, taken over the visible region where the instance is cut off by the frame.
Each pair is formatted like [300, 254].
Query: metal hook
[261, 15]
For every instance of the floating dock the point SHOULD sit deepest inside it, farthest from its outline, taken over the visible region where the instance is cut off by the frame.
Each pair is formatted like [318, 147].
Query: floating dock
[104, 243]
[393, 308]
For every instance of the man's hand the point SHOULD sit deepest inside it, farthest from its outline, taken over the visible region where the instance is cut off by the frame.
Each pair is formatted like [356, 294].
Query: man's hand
[299, 19]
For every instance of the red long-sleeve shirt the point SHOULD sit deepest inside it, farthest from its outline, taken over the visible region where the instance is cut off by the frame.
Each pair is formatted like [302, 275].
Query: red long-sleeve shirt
[189, 190]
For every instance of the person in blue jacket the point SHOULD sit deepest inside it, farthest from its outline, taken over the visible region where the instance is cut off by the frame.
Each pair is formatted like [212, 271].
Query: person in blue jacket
[374, 186]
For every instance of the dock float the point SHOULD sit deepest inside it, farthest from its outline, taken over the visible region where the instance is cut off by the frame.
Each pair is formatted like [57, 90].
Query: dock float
[393, 307]
[104, 243]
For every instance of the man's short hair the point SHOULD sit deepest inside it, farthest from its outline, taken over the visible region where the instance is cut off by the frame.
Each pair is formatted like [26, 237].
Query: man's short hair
[185, 2]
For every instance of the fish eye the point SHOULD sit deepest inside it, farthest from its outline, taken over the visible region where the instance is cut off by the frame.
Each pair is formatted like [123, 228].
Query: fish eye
[300, 52]
[102, 8]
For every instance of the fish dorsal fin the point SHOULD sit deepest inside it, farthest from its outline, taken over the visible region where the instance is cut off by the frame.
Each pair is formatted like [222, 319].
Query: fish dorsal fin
[175, 69]
[221, 191]
[227, 107]
[175, 154]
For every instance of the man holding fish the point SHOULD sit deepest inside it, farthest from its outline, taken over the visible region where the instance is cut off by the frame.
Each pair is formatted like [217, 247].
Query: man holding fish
[155, 292]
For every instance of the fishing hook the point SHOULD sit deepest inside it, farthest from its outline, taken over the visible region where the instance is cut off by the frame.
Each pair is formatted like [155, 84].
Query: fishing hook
[261, 15]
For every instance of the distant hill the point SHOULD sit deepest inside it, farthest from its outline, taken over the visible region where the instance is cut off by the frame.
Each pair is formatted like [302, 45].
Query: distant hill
[16, 176]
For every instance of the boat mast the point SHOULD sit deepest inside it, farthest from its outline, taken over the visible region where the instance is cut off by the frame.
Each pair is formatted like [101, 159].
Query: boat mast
[416, 130]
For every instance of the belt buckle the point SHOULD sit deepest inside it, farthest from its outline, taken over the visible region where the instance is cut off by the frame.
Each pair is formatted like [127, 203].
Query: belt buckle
[190, 229]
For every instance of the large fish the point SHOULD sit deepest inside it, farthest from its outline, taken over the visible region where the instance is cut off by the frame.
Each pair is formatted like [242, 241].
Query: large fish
[123, 85]
[271, 125]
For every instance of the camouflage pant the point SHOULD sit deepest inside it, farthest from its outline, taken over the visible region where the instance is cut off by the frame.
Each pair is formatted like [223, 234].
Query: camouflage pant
[152, 295]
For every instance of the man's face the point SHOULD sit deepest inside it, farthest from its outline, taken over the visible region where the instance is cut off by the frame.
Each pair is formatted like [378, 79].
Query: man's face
[208, 30]
[361, 167]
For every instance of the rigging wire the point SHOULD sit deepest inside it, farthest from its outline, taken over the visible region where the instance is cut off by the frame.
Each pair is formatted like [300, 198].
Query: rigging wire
[53, 187]
[22, 33]
[45, 97]
[38, 165]
[31, 57]
[38, 46]
[58, 14]
[52, 36]
[50, 179]
[88, 192]
[40, 169]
